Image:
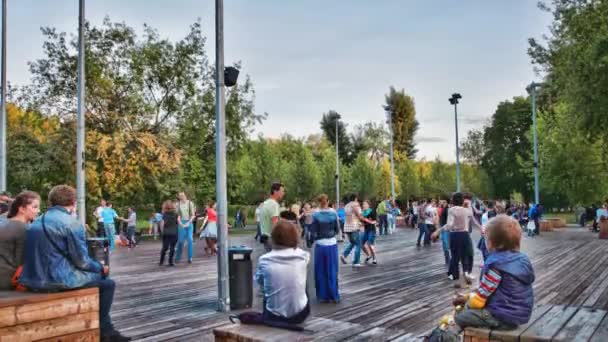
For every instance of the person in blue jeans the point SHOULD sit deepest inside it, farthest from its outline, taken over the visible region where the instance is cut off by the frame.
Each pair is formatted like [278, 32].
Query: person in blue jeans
[352, 227]
[57, 238]
[186, 212]
[422, 227]
[109, 215]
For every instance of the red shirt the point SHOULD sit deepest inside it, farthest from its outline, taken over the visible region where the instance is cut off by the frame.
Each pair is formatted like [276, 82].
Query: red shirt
[211, 215]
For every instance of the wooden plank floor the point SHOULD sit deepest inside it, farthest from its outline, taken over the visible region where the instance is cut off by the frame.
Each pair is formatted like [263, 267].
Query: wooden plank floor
[403, 296]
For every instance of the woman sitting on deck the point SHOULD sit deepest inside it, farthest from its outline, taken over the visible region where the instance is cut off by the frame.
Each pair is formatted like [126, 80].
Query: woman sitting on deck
[282, 275]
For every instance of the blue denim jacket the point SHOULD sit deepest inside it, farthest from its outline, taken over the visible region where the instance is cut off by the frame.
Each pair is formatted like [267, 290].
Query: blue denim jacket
[44, 267]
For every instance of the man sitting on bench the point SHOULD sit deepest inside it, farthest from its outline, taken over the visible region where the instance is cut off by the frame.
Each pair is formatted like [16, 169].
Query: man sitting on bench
[56, 258]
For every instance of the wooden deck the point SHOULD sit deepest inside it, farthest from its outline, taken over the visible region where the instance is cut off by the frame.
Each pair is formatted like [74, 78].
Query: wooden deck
[400, 298]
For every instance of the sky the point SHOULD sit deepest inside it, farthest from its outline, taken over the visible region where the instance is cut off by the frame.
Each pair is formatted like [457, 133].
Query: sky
[307, 57]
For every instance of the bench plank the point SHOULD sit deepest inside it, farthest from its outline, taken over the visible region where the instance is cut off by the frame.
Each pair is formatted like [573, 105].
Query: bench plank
[582, 325]
[513, 335]
[51, 328]
[12, 298]
[548, 325]
[91, 335]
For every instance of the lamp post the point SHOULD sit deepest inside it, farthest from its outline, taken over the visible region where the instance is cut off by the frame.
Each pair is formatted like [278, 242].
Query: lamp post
[454, 100]
[532, 88]
[337, 166]
[80, 121]
[224, 77]
[390, 130]
[3, 104]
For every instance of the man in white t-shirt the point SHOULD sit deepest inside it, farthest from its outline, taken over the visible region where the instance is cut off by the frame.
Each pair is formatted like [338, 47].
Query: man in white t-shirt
[430, 219]
[97, 213]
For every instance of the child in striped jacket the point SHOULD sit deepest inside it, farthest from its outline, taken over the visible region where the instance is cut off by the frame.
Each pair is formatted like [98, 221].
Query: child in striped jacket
[504, 298]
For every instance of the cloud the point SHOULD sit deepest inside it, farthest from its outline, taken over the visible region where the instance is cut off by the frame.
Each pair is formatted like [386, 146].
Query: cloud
[430, 139]
[472, 120]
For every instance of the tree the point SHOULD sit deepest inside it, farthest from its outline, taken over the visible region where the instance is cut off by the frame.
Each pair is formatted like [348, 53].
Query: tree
[363, 178]
[402, 113]
[508, 147]
[575, 61]
[373, 139]
[328, 126]
[472, 148]
[145, 95]
[572, 164]
[408, 179]
[303, 179]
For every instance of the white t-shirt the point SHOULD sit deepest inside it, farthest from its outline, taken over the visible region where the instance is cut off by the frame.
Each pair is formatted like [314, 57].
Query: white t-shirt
[430, 214]
[98, 212]
[258, 211]
[484, 222]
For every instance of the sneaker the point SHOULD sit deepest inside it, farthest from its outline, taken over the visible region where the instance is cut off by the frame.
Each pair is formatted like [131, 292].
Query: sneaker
[368, 259]
[170, 265]
[189, 261]
[450, 277]
[114, 336]
[343, 259]
[374, 261]
[357, 265]
[468, 278]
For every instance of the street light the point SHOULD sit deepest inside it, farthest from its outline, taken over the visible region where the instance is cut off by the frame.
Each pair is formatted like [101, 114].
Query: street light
[337, 166]
[226, 78]
[531, 89]
[3, 104]
[80, 122]
[454, 100]
[390, 130]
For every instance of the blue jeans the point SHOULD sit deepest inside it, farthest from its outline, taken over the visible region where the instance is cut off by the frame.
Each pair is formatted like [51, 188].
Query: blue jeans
[182, 235]
[354, 239]
[110, 233]
[424, 231]
[445, 243]
[106, 297]
[382, 224]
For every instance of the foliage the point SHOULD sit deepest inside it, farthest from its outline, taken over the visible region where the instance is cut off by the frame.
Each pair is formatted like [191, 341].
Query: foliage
[328, 126]
[402, 113]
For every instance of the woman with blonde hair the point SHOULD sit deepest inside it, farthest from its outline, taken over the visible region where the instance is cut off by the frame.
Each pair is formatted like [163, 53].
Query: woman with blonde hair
[168, 228]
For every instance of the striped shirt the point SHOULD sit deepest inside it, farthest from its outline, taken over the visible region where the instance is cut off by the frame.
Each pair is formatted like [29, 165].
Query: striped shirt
[352, 211]
[488, 284]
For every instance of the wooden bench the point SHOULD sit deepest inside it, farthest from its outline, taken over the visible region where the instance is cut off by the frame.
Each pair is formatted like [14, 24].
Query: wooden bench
[64, 316]
[316, 329]
[556, 222]
[550, 323]
[603, 229]
[546, 226]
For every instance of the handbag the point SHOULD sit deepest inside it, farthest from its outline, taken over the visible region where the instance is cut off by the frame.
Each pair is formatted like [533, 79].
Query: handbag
[530, 226]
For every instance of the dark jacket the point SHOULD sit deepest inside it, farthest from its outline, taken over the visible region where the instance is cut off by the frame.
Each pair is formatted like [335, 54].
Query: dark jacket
[59, 260]
[513, 300]
[170, 223]
[324, 225]
[12, 239]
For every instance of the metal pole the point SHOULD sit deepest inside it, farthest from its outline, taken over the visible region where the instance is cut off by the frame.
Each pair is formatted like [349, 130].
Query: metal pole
[536, 194]
[390, 129]
[3, 104]
[457, 149]
[337, 169]
[220, 162]
[80, 136]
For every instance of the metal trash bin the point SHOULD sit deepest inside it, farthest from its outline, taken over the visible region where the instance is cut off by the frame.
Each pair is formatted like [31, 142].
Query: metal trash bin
[98, 250]
[240, 277]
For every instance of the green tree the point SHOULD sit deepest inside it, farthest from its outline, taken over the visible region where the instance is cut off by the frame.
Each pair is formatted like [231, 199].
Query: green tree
[408, 179]
[472, 149]
[328, 127]
[303, 176]
[507, 147]
[402, 111]
[373, 139]
[575, 61]
[362, 178]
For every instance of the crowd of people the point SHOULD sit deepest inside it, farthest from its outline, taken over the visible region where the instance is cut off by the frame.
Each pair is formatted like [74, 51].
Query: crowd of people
[288, 236]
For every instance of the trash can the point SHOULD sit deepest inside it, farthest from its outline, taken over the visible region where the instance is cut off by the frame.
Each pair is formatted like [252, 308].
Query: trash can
[98, 250]
[240, 277]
